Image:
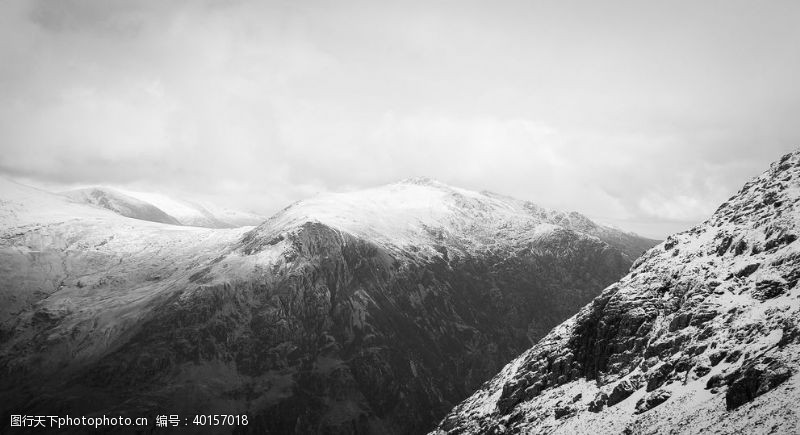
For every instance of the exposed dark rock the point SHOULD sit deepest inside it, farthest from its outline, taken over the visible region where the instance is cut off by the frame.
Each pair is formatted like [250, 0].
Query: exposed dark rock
[733, 356]
[680, 321]
[703, 314]
[740, 248]
[724, 245]
[715, 381]
[598, 403]
[768, 289]
[563, 411]
[747, 270]
[666, 346]
[682, 363]
[622, 391]
[754, 379]
[652, 400]
[511, 396]
[658, 376]
[790, 333]
[701, 370]
[780, 240]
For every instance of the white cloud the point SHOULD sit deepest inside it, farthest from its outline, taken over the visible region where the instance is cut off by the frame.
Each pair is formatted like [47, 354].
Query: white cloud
[632, 113]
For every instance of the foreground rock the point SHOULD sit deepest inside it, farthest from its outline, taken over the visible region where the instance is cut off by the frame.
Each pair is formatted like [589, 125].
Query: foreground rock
[700, 337]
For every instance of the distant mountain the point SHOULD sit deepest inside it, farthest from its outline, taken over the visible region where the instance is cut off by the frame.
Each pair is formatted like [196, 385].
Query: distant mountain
[700, 337]
[121, 203]
[156, 207]
[59, 257]
[363, 312]
[231, 217]
[197, 215]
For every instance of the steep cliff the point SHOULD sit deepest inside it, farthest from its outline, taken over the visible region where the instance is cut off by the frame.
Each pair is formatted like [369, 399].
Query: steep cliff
[700, 337]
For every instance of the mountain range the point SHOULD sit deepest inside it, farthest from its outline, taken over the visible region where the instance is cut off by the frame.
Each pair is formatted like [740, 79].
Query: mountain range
[157, 207]
[372, 311]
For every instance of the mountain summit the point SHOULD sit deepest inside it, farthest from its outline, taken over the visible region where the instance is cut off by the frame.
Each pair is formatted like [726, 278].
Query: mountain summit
[424, 215]
[700, 337]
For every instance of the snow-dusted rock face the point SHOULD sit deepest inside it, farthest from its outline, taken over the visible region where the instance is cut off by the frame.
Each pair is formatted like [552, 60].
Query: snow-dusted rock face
[122, 204]
[700, 337]
[367, 312]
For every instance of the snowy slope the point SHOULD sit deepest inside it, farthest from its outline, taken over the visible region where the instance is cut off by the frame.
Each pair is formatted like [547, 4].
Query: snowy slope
[422, 213]
[700, 337]
[198, 215]
[120, 203]
[83, 266]
[235, 218]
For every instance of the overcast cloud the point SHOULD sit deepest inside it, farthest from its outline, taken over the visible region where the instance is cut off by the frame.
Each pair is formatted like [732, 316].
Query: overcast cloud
[643, 114]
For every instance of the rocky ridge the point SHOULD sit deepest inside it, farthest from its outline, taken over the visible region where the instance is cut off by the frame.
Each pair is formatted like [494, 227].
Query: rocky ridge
[700, 337]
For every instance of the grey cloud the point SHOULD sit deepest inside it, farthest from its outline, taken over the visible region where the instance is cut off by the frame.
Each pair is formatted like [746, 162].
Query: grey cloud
[644, 114]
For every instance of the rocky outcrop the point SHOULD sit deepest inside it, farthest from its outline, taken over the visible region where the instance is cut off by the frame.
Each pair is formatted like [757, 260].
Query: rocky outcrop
[652, 400]
[705, 311]
[753, 379]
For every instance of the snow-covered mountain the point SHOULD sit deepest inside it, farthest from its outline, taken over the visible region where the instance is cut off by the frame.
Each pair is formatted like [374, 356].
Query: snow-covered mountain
[700, 337]
[366, 312]
[194, 214]
[120, 203]
[73, 262]
[157, 207]
[420, 215]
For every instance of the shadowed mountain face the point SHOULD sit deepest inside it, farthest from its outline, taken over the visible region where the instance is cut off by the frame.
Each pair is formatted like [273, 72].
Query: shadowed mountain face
[368, 312]
[700, 337]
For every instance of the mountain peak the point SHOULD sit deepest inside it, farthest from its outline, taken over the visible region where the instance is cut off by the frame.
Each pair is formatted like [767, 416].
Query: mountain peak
[422, 212]
[422, 181]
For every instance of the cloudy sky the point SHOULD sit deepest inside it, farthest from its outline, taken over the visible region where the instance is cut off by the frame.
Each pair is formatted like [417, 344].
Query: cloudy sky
[644, 114]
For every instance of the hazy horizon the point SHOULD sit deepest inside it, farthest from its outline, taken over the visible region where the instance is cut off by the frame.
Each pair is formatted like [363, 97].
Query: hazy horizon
[643, 115]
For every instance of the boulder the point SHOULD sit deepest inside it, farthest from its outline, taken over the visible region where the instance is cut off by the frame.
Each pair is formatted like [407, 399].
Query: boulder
[658, 376]
[598, 403]
[754, 379]
[622, 390]
[652, 400]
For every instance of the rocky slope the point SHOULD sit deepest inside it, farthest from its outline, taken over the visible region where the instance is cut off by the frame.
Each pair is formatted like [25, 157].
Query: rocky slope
[700, 337]
[367, 312]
